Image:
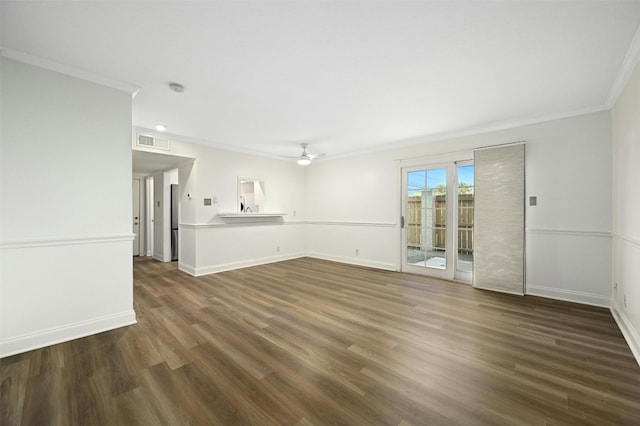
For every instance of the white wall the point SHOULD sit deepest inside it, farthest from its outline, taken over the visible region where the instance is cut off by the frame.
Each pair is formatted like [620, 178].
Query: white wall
[65, 214]
[347, 209]
[354, 203]
[209, 243]
[626, 212]
[569, 231]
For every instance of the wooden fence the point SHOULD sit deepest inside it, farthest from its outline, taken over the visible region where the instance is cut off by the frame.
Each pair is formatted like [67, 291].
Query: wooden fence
[435, 221]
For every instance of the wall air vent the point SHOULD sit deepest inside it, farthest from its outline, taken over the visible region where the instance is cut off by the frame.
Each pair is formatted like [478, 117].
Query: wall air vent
[146, 141]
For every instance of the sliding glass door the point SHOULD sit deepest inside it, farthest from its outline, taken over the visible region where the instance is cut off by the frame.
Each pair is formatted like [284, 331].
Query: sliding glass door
[465, 208]
[437, 210]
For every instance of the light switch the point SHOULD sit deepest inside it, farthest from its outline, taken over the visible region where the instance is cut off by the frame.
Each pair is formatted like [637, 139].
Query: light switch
[207, 201]
[533, 201]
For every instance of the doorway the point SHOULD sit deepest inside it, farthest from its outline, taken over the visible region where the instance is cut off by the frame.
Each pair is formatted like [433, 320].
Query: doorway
[136, 216]
[164, 200]
[437, 216]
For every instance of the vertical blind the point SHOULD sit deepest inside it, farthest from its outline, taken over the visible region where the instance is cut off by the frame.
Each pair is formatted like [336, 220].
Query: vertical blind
[499, 219]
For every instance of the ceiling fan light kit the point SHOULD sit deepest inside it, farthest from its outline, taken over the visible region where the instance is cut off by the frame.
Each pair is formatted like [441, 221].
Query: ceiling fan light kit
[304, 161]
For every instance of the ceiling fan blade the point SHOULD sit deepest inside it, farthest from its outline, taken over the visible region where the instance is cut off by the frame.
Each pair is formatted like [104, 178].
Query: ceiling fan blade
[304, 154]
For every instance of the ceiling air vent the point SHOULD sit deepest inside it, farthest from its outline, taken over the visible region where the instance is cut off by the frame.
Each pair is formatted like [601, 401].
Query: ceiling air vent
[147, 141]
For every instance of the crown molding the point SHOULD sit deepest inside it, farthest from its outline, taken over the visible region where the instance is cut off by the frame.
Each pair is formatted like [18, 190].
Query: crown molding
[207, 143]
[478, 130]
[69, 70]
[629, 64]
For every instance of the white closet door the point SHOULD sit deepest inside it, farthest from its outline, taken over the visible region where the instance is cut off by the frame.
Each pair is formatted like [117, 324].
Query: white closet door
[499, 219]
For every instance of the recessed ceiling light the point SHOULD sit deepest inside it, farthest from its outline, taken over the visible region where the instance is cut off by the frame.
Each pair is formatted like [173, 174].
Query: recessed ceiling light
[161, 127]
[178, 88]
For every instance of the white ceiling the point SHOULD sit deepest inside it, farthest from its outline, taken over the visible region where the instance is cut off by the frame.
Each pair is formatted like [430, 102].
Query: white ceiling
[349, 76]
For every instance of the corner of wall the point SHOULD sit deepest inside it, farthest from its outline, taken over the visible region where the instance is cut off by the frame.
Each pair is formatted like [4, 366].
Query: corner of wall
[630, 334]
[66, 333]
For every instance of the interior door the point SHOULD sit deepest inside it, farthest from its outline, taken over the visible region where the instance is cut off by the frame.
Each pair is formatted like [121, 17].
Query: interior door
[136, 216]
[437, 216]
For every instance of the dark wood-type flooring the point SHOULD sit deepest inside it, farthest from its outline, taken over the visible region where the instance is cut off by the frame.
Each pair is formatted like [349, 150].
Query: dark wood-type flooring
[310, 342]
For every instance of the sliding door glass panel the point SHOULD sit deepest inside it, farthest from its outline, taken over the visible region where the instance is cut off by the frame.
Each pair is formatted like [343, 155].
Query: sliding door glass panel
[465, 218]
[426, 218]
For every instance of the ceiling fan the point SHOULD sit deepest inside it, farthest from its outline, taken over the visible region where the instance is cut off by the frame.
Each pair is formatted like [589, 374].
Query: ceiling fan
[305, 159]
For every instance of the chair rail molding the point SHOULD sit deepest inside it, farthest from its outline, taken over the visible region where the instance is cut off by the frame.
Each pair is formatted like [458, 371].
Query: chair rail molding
[632, 240]
[569, 232]
[65, 241]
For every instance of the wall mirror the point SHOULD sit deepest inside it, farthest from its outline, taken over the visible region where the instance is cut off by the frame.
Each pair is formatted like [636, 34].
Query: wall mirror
[250, 195]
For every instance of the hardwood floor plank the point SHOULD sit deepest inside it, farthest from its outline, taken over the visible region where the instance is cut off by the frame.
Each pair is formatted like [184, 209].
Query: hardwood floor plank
[247, 362]
[136, 407]
[45, 401]
[12, 391]
[312, 342]
[250, 406]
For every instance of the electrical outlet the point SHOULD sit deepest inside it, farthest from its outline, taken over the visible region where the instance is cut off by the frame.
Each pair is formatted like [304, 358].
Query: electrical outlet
[278, 249]
[624, 301]
[294, 213]
[357, 252]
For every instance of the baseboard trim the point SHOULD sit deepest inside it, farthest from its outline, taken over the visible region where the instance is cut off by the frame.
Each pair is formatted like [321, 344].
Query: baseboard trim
[214, 269]
[568, 295]
[630, 334]
[65, 333]
[185, 267]
[358, 262]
